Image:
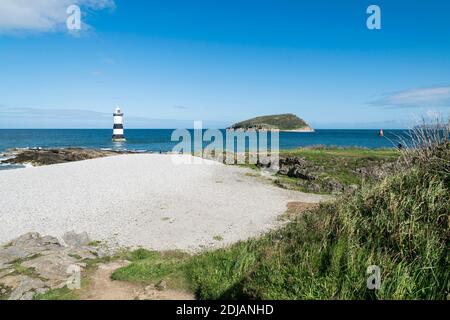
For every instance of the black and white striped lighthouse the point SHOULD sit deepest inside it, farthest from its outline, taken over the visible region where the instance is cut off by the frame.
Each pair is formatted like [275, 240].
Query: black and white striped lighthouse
[118, 135]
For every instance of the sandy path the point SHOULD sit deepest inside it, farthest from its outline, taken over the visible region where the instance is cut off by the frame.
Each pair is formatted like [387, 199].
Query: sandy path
[102, 287]
[142, 200]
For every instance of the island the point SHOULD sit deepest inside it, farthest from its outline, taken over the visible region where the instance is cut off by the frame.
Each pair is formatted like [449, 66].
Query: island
[280, 122]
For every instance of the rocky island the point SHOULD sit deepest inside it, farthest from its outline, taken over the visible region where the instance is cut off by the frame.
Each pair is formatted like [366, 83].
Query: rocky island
[281, 122]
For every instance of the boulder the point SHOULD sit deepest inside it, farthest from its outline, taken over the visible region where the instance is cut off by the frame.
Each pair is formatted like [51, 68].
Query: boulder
[33, 263]
[161, 285]
[334, 186]
[297, 167]
[74, 239]
[24, 286]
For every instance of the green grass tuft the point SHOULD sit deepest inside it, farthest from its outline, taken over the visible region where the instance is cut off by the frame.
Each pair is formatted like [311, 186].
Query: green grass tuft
[58, 294]
[150, 267]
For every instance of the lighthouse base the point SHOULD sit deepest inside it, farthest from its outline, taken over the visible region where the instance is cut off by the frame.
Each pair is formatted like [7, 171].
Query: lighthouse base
[118, 138]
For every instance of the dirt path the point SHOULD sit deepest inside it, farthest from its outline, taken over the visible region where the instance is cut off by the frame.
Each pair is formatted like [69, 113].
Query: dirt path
[102, 287]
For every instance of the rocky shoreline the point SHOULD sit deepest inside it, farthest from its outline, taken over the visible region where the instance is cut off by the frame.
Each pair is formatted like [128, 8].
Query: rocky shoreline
[41, 157]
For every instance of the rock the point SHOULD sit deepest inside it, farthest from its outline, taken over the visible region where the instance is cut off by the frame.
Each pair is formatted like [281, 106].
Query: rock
[5, 272]
[21, 284]
[54, 156]
[162, 285]
[27, 296]
[282, 184]
[313, 187]
[76, 239]
[34, 242]
[297, 167]
[25, 238]
[83, 253]
[334, 186]
[11, 254]
[52, 267]
[47, 240]
[25, 247]
[33, 264]
[42, 290]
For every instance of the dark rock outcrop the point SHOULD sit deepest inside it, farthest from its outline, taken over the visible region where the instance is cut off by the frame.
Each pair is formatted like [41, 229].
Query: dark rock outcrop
[41, 157]
[297, 168]
[314, 178]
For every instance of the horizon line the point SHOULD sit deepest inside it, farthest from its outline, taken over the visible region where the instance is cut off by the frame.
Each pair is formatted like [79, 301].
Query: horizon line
[126, 129]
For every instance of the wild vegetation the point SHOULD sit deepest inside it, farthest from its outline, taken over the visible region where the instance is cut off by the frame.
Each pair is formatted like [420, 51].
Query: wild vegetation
[333, 169]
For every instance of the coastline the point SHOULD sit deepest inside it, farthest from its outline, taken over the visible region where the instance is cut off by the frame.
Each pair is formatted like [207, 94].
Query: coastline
[310, 130]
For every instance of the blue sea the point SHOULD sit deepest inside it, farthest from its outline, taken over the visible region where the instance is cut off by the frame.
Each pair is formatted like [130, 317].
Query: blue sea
[160, 139]
[156, 140]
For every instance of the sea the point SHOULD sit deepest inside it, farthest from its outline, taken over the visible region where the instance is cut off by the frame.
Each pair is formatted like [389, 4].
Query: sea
[159, 140]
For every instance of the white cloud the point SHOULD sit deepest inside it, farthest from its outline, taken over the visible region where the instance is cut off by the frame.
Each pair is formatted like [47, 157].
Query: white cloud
[421, 97]
[19, 16]
[21, 112]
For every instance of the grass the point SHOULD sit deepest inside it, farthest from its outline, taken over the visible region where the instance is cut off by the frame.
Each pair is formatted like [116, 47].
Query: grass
[334, 164]
[94, 243]
[400, 224]
[58, 294]
[150, 267]
[340, 163]
[19, 269]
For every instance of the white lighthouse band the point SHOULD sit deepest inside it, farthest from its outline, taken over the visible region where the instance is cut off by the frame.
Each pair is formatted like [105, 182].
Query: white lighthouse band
[118, 134]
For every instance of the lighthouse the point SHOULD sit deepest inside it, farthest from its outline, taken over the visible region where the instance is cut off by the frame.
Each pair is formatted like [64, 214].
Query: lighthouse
[118, 135]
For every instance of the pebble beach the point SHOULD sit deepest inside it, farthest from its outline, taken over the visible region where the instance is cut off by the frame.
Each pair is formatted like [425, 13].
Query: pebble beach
[143, 200]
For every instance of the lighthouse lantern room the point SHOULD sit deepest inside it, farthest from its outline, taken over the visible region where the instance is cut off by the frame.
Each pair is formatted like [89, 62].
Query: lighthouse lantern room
[118, 135]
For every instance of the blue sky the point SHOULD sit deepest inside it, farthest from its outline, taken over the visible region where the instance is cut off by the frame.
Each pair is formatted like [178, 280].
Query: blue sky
[168, 62]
